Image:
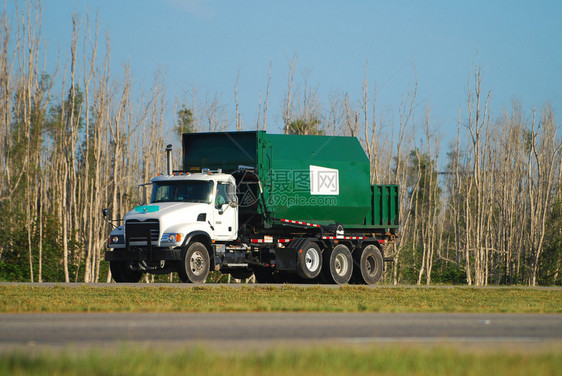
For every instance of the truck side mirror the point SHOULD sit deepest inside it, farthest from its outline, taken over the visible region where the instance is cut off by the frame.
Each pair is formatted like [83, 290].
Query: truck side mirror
[142, 193]
[104, 212]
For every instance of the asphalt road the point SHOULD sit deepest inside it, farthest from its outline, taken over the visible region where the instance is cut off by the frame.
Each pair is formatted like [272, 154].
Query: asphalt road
[261, 330]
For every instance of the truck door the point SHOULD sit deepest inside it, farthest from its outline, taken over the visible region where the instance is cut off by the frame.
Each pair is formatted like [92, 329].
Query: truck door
[225, 212]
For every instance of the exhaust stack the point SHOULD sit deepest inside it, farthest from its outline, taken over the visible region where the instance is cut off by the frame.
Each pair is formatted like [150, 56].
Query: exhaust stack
[169, 159]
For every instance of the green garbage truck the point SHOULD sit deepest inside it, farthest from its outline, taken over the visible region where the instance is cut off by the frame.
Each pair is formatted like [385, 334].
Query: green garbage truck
[280, 207]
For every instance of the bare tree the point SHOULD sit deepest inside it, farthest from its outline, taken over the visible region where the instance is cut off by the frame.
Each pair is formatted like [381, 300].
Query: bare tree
[478, 120]
[238, 118]
[543, 163]
[266, 103]
[214, 115]
[428, 203]
[288, 102]
[263, 123]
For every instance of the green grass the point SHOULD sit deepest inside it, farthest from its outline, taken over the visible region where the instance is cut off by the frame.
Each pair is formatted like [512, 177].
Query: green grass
[326, 361]
[59, 298]
[305, 360]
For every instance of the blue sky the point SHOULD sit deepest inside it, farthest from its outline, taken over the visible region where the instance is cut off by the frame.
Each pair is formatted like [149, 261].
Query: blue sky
[204, 44]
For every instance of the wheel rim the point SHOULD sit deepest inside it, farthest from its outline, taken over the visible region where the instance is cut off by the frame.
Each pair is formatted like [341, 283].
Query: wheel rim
[197, 263]
[370, 265]
[312, 259]
[341, 264]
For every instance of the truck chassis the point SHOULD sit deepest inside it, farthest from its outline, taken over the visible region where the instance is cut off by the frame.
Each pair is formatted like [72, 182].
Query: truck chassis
[315, 254]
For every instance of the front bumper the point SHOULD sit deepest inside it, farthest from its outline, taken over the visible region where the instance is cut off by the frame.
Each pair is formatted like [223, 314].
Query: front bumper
[140, 254]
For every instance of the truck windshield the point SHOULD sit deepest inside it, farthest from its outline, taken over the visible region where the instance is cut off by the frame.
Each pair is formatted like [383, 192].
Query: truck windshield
[182, 191]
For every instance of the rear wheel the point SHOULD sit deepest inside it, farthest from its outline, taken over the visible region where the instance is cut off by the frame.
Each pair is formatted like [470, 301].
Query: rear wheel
[309, 261]
[368, 265]
[194, 268]
[338, 265]
[121, 271]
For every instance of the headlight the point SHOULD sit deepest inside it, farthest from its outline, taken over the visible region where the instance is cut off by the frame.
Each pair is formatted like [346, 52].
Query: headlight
[172, 238]
[116, 239]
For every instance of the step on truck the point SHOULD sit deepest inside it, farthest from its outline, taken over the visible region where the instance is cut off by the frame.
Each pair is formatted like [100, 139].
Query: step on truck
[284, 208]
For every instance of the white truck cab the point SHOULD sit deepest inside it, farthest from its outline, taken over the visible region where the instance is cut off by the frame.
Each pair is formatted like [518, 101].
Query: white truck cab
[185, 203]
[181, 205]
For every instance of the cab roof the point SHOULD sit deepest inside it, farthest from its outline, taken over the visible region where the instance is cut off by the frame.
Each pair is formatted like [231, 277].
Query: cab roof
[205, 176]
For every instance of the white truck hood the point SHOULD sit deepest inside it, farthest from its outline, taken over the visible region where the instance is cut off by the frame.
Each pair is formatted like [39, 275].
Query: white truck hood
[169, 213]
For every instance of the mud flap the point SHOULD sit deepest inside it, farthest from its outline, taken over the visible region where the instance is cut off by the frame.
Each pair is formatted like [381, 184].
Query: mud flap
[286, 258]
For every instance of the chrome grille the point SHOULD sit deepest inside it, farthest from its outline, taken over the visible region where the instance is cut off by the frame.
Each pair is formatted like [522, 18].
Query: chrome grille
[137, 231]
[154, 235]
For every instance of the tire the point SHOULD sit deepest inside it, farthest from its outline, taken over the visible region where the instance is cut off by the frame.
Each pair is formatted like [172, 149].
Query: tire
[309, 261]
[368, 265]
[338, 265]
[195, 266]
[121, 272]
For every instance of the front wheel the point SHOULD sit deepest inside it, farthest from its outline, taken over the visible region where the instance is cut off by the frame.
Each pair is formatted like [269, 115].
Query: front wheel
[195, 264]
[121, 271]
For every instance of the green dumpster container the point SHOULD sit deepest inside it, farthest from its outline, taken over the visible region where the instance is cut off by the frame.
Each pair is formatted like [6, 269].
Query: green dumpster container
[317, 179]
